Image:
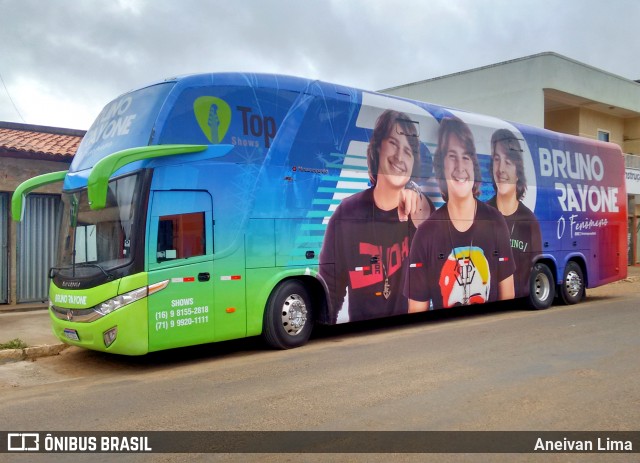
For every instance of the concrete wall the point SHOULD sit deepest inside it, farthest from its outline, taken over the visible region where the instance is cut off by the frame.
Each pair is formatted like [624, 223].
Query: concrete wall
[631, 143]
[563, 120]
[592, 121]
[489, 90]
[514, 90]
[14, 171]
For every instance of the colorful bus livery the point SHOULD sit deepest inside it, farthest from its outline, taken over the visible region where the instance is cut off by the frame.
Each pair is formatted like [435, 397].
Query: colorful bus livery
[220, 206]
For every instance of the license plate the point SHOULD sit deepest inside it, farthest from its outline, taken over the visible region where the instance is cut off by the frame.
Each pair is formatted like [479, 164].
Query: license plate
[71, 334]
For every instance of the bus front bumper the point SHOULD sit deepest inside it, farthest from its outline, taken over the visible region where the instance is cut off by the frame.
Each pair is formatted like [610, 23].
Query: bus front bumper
[124, 331]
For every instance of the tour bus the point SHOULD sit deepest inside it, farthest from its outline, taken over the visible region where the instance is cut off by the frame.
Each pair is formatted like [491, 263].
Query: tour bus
[219, 206]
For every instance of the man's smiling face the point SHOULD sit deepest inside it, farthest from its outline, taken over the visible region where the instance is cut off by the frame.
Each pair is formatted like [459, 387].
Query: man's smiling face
[396, 159]
[458, 169]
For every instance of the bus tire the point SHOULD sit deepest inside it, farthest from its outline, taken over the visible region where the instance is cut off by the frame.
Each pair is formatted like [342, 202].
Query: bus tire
[288, 317]
[541, 287]
[572, 287]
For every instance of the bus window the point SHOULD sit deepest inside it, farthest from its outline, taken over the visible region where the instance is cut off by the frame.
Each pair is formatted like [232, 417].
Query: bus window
[86, 246]
[181, 236]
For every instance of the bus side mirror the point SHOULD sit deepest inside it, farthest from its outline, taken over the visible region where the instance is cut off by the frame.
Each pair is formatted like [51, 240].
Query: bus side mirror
[17, 200]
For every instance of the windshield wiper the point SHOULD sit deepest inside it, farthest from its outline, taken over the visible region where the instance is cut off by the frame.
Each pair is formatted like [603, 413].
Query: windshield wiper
[88, 264]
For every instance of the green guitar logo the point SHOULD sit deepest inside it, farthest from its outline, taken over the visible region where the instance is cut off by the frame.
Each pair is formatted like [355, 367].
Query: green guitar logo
[213, 116]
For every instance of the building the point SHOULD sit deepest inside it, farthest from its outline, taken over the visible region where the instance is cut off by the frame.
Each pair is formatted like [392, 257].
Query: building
[27, 249]
[555, 92]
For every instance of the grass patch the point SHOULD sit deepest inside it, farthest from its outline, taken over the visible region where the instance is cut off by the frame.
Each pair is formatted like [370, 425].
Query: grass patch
[13, 344]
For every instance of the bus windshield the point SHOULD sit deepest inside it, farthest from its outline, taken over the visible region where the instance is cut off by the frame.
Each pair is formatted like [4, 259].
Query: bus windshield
[94, 243]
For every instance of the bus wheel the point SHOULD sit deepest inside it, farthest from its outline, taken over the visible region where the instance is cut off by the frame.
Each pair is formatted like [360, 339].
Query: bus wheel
[572, 287]
[288, 317]
[541, 287]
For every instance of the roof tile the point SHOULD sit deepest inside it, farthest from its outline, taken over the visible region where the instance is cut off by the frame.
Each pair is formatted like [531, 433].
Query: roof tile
[42, 144]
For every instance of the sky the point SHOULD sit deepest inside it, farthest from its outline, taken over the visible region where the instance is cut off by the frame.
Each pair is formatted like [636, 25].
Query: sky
[61, 61]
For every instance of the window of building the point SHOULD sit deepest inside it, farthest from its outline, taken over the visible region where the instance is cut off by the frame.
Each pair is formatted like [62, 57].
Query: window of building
[603, 135]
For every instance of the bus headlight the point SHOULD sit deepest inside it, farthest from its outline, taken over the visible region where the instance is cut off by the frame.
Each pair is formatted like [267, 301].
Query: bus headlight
[120, 301]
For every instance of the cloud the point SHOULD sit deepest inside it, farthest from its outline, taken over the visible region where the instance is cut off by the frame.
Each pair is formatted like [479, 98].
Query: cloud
[62, 61]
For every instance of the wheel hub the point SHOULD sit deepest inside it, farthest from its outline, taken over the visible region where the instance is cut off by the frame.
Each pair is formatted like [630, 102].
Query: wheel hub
[573, 284]
[543, 287]
[294, 314]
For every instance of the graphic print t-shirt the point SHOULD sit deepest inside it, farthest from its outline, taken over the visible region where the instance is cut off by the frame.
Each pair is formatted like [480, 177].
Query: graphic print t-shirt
[363, 247]
[451, 268]
[526, 243]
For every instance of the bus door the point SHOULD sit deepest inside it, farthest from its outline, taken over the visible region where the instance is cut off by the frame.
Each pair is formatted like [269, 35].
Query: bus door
[180, 252]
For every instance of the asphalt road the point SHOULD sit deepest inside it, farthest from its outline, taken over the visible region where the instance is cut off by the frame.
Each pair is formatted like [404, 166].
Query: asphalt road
[484, 368]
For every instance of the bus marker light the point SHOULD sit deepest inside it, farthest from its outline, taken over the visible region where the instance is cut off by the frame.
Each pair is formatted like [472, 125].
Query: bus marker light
[154, 288]
[231, 309]
[230, 277]
[109, 336]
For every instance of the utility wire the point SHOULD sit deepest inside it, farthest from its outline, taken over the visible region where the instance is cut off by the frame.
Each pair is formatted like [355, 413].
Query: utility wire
[11, 99]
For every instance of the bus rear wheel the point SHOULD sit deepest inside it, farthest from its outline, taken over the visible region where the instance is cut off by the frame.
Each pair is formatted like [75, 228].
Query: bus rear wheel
[541, 287]
[288, 317]
[572, 287]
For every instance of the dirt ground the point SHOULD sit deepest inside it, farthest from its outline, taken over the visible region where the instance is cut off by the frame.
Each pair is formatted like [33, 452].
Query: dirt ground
[631, 284]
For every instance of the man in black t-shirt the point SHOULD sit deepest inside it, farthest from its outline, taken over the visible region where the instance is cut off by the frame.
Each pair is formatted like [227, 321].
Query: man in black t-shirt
[366, 243]
[461, 255]
[510, 184]
[369, 247]
[450, 267]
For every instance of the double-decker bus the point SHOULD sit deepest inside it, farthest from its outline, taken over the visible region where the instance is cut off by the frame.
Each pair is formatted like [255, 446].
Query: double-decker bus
[220, 206]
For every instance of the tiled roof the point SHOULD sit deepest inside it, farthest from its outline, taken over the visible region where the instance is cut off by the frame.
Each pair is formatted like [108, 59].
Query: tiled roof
[38, 142]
